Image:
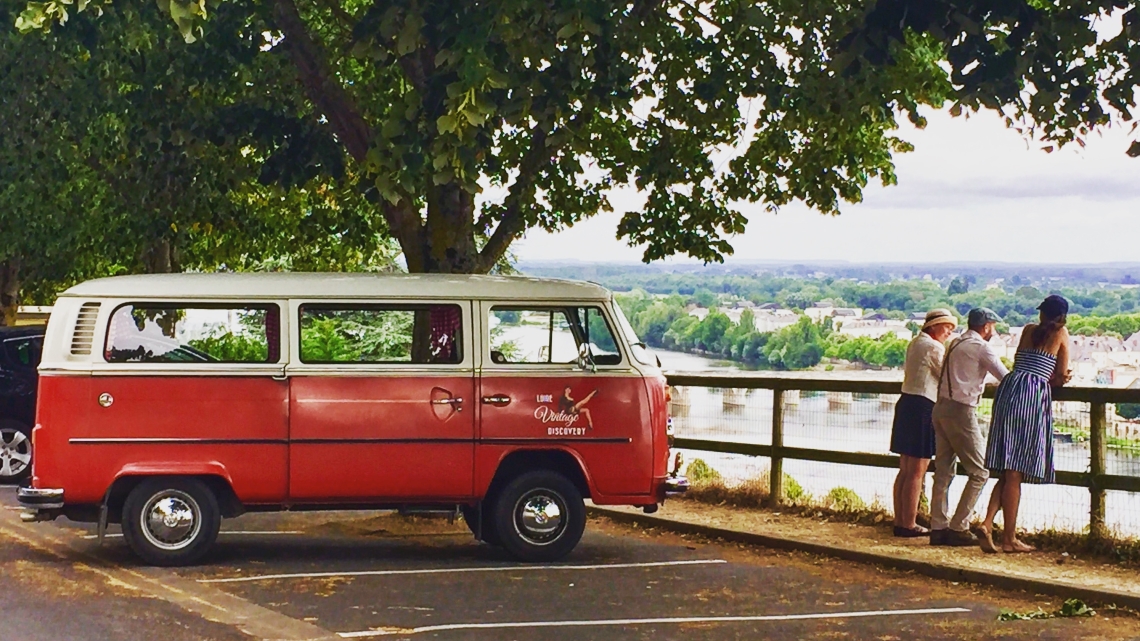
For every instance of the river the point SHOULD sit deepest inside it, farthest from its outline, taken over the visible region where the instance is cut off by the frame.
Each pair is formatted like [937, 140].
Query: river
[863, 424]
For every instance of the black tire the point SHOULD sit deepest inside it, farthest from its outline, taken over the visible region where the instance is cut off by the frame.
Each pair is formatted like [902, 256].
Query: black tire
[15, 451]
[529, 529]
[484, 531]
[185, 534]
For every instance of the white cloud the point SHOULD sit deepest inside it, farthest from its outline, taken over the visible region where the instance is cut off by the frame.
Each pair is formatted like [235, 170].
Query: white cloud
[972, 190]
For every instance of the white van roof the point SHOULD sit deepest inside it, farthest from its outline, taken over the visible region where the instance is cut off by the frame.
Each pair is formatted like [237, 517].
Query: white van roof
[335, 285]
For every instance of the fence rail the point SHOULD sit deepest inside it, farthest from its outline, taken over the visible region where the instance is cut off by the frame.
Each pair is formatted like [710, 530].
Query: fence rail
[1096, 479]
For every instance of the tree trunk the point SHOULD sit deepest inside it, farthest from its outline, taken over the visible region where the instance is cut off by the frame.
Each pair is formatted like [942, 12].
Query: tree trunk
[161, 258]
[449, 238]
[9, 291]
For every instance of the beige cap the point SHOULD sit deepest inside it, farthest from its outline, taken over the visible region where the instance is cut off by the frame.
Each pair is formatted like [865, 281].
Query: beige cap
[939, 316]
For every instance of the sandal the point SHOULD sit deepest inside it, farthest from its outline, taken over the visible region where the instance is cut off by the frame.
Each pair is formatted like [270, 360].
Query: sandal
[987, 543]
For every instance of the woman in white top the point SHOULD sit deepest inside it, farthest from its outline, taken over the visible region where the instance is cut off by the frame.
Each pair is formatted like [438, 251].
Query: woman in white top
[912, 436]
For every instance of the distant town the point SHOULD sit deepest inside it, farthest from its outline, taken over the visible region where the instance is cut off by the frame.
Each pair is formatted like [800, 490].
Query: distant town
[844, 316]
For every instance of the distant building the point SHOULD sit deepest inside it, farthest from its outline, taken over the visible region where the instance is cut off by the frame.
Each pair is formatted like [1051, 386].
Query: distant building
[820, 311]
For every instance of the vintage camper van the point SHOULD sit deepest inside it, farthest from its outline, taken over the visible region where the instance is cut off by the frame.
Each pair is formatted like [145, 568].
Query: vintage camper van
[170, 402]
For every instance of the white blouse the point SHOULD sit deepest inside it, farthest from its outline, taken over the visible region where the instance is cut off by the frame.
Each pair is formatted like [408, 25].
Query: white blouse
[922, 367]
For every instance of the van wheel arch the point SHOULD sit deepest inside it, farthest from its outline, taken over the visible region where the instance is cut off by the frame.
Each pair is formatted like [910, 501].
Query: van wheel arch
[227, 499]
[520, 462]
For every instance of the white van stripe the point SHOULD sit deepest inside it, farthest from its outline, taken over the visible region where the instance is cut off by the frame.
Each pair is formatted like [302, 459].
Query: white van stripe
[659, 621]
[508, 568]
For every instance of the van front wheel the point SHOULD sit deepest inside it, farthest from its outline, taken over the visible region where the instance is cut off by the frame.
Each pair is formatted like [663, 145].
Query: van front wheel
[171, 521]
[540, 516]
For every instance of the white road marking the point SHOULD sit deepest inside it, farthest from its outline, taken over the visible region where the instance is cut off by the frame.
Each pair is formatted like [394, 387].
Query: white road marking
[625, 622]
[118, 535]
[510, 568]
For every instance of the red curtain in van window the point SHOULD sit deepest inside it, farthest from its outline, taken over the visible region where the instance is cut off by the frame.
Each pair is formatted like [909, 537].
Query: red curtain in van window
[445, 321]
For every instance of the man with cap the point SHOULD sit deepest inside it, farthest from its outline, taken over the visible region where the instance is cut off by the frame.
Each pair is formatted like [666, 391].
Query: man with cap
[957, 435]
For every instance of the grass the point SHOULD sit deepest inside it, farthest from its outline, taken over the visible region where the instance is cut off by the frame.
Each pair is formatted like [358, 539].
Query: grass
[843, 504]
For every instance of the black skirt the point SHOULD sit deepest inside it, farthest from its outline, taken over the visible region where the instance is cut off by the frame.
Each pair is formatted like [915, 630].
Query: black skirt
[913, 431]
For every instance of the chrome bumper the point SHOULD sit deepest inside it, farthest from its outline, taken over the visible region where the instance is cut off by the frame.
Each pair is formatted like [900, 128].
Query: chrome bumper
[676, 485]
[40, 504]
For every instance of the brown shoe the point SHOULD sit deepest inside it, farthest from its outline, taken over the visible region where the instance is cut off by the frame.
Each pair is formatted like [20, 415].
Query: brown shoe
[957, 539]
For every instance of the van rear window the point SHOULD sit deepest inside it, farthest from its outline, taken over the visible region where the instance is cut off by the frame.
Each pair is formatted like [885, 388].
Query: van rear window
[414, 334]
[172, 333]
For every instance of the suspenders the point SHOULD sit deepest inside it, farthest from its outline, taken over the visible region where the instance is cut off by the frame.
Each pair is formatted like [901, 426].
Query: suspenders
[945, 367]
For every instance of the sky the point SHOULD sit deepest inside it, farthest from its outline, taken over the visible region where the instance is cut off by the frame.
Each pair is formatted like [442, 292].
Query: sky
[972, 190]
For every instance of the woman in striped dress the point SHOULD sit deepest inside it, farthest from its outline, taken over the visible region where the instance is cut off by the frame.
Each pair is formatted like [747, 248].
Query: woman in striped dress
[1020, 446]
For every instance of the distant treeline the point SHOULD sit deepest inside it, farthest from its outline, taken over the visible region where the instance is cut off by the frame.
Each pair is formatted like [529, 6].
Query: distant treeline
[1015, 299]
[666, 323]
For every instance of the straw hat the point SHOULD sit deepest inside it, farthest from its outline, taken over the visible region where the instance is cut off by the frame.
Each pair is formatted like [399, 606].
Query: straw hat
[939, 316]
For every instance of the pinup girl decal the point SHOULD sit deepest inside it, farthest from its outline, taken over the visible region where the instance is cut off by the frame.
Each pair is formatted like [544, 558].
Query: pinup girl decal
[569, 406]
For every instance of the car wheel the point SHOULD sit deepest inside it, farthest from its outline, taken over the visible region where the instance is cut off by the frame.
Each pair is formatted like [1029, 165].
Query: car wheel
[540, 516]
[15, 452]
[171, 521]
[484, 532]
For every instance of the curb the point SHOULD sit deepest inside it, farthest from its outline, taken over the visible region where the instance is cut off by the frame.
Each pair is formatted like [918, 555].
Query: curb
[1096, 596]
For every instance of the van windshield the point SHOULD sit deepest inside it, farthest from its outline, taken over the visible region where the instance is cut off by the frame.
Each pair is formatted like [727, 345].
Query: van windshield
[639, 349]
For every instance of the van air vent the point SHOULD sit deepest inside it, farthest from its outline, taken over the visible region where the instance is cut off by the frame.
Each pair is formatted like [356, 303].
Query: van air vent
[84, 337]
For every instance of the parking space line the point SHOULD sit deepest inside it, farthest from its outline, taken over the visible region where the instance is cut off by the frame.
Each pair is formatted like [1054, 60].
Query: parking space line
[626, 622]
[119, 535]
[507, 568]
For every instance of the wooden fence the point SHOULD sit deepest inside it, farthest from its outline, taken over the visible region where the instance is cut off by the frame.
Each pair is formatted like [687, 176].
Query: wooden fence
[1096, 479]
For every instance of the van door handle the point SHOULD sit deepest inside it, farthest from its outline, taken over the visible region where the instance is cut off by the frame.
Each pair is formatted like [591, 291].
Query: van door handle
[498, 400]
[454, 402]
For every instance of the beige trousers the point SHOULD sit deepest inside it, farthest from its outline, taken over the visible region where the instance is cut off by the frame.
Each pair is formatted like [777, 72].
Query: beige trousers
[957, 436]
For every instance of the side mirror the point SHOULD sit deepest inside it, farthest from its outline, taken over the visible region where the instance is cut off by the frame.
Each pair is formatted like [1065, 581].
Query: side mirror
[586, 358]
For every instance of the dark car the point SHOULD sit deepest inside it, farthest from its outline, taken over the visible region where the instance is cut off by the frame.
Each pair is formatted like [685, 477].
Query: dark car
[20, 349]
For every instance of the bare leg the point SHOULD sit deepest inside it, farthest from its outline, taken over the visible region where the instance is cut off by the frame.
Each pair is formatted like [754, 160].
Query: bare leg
[589, 421]
[1010, 502]
[897, 493]
[991, 512]
[908, 484]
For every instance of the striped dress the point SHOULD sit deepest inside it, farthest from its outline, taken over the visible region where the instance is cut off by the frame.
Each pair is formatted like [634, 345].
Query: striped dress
[1021, 430]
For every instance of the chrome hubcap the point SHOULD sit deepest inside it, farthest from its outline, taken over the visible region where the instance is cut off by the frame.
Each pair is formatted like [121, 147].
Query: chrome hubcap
[171, 520]
[539, 516]
[15, 452]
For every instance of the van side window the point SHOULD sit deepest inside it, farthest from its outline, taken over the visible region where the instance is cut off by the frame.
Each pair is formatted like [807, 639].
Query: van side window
[413, 334]
[172, 333]
[550, 336]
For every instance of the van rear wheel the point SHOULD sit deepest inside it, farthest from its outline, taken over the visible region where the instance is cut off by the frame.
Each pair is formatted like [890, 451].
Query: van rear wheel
[540, 516]
[171, 521]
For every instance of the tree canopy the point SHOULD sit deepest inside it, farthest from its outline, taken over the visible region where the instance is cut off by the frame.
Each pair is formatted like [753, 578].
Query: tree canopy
[466, 123]
[120, 155]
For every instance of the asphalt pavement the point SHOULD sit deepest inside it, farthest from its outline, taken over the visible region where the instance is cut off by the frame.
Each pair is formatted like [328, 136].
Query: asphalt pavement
[374, 575]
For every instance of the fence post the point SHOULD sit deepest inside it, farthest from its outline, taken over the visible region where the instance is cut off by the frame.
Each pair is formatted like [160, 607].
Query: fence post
[776, 471]
[1097, 468]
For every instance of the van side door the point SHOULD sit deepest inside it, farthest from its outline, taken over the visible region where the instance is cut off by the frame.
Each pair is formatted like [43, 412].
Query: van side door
[381, 401]
[553, 376]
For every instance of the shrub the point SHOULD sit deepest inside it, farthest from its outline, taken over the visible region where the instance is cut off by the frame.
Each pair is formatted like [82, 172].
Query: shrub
[844, 499]
[701, 472]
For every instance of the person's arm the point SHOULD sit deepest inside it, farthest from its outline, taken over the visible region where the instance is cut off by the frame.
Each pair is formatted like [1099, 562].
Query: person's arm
[934, 358]
[1062, 373]
[993, 364]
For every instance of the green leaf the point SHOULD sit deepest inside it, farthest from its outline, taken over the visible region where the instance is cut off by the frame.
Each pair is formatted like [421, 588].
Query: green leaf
[566, 31]
[445, 124]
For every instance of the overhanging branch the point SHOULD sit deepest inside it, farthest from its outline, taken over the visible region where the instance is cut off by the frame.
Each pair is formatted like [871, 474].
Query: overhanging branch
[513, 222]
[322, 87]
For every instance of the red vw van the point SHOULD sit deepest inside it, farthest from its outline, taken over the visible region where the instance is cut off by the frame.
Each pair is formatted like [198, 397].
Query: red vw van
[169, 402]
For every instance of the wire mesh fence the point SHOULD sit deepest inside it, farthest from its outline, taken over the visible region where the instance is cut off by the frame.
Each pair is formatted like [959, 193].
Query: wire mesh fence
[860, 422]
